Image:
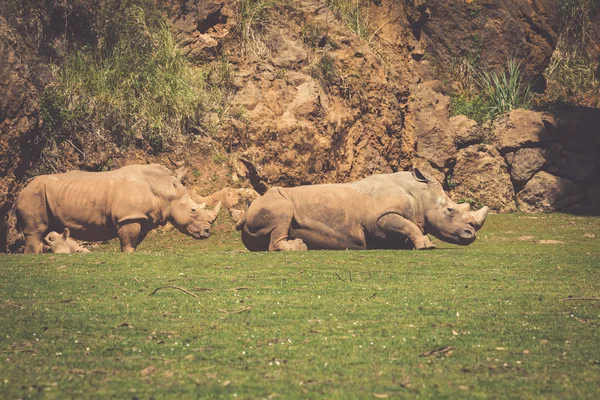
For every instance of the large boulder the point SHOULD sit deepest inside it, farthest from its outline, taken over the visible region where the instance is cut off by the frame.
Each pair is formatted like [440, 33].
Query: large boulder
[525, 163]
[577, 128]
[465, 131]
[522, 128]
[576, 166]
[481, 175]
[548, 193]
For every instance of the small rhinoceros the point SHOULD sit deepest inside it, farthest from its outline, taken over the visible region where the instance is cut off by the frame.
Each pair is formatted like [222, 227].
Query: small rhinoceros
[63, 244]
[381, 211]
[97, 206]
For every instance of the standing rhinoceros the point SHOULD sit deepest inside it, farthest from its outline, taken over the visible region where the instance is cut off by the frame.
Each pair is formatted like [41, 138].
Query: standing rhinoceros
[95, 206]
[381, 211]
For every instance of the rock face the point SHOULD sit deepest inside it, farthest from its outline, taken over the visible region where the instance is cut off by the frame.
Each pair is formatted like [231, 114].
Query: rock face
[18, 121]
[430, 115]
[495, 30]
[481, 175]
[319, 114]
[548, 193]
[199, 25]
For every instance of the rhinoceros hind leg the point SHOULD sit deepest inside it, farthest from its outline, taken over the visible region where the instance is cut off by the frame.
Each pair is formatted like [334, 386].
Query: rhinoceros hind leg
[130, 235]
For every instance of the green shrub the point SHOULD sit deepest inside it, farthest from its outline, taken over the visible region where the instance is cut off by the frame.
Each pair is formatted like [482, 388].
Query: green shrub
[326, 72]
[482, 95]
[355, 14]
[135, 83]
[252, 18]
[571, 74]
[505, 90]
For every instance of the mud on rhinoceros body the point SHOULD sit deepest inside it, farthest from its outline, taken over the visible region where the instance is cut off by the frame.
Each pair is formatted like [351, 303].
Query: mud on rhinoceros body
[380, 211]
[96, 206]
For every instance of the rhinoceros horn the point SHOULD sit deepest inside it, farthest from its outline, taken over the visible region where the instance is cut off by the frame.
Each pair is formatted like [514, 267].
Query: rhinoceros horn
[181, 173]
[479, 216]
[215, 212]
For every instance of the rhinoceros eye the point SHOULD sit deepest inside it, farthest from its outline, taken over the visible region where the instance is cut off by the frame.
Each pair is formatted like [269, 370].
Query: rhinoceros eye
[450, 210]
[193, 210]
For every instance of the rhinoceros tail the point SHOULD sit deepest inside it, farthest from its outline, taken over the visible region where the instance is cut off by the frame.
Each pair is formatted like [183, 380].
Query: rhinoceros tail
[239, 217]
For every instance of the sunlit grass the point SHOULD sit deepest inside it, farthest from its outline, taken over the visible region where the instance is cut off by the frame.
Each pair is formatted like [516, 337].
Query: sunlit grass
[345, 324]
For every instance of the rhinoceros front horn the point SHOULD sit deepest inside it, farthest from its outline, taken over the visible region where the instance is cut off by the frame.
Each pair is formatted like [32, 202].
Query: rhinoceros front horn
[215, 212]
[479, 216]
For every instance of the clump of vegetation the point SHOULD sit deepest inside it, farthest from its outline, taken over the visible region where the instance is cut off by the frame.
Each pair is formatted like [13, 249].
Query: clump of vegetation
[252, 18]
[326, 72]
[482, 95]
[134, 84]
[355, 14]
[216, 86]
[312, 33]
[572, 75]
[506, 89]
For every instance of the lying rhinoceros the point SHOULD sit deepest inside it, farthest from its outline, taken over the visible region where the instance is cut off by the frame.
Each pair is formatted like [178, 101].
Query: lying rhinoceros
[96, 206]
[61, 243]
[381, 211]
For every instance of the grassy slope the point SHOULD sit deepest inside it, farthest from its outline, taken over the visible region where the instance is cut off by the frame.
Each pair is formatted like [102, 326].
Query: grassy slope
[340, 324]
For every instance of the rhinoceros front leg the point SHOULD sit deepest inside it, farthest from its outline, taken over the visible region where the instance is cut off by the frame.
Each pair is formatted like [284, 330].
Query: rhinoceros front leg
[280, 242]
[130, 235]
[398, 224]
[33, 244]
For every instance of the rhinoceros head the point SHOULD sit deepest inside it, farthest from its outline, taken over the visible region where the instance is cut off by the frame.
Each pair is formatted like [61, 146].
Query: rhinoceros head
[189, 217]
[58, 242]
[445, 219]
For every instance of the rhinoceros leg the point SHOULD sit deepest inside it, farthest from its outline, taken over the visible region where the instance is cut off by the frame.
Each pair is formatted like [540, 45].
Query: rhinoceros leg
[398, 224]
[268, 219]
[33, 244]
[130, 235]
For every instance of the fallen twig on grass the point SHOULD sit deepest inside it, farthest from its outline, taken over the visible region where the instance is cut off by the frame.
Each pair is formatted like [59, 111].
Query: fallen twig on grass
[200, 289]
[174, 287]
[12, 305]
[234, 312]
[339, 277]
[436, 352]
[582, 298]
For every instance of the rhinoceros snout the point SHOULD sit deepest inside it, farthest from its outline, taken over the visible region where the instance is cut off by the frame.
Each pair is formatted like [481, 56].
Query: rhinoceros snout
[201, 233]
[467, 236]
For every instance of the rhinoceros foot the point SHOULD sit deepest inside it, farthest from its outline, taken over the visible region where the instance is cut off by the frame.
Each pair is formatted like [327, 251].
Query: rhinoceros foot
[424, 243]
[292, 245]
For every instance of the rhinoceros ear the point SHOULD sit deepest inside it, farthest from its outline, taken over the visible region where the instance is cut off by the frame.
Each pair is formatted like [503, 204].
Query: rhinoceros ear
[66, 233]
[418, 175]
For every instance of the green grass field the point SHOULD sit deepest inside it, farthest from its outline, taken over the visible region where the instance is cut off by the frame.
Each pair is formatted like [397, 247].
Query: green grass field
[514, 315]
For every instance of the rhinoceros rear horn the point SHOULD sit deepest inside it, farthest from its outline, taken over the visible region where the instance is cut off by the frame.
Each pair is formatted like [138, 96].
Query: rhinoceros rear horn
[215, 212]
[181, 173]
[479, 216]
